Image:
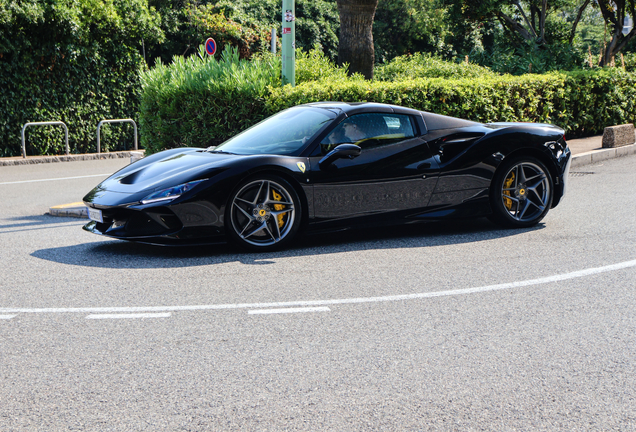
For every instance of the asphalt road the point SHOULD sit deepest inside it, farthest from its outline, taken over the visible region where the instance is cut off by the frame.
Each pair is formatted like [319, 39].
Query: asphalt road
[455, 326]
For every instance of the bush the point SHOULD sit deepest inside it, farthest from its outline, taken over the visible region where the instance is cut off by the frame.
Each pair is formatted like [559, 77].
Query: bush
[583, 102]
[630, 62]
[200, 101]
[526, 58]
[315, 66]
[422, 65]
[485, 99]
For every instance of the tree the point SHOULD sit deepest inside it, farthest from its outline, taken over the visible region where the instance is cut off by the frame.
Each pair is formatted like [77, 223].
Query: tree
[614, 15]
[527, 20]
[356, 35]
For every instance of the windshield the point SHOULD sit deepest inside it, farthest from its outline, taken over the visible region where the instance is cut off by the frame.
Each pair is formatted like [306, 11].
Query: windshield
[284, 133]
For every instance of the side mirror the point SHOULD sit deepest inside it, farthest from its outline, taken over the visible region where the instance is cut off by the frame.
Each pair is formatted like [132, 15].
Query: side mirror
[342, 151]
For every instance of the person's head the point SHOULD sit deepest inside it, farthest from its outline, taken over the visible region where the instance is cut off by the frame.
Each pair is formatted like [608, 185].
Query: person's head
[352, 131]
[336, 137]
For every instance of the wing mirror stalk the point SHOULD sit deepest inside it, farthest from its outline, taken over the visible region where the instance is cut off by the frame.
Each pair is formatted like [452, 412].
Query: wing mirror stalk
[342, 151]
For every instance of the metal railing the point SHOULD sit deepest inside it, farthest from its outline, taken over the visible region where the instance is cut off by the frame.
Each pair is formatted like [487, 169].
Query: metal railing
[49, 123]
[99, 126]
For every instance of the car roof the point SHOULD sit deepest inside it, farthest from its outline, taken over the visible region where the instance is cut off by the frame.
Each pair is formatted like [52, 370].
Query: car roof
[351, 108]
[432, 121]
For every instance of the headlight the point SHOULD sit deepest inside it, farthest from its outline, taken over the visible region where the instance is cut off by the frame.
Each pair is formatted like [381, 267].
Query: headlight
[170, 193]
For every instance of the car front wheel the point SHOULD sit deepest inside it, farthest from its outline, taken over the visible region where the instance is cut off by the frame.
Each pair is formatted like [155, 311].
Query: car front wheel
[521, 193]
[263, 213]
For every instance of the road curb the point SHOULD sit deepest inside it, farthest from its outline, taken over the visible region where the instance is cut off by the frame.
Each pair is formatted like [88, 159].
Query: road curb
[76, 210]
[30, 160]
[596, 156]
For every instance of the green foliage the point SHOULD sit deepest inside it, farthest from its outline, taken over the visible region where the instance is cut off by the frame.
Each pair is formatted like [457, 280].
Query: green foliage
[599, 98]
[582, 102]
[526, 57]
[495, 33]
[192, 23]
[488, 98]
[405, 27]
[422, 65]
[75, 61]
[630, 62]
[243, 23]
[318, 24]
[317, 21]
[315, 66]
[199, 101]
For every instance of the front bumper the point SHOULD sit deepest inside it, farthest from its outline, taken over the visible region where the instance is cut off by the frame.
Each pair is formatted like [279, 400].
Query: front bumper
[187, 223]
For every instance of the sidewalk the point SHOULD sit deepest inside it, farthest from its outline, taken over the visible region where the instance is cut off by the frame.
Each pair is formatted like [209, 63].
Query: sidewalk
[19, 160]
[587, 151]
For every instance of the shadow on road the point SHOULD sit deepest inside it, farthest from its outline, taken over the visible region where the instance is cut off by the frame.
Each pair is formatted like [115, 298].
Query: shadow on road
[119, 254]
[29, 223]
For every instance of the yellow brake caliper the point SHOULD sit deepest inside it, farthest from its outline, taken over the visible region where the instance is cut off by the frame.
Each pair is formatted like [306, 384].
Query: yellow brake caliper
[507, 184]
[278, 207]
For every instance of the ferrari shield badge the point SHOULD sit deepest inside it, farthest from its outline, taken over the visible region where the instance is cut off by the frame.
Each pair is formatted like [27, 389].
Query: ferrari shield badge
[301, 166]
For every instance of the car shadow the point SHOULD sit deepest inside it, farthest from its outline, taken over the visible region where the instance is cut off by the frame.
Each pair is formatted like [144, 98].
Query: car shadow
[117, 254]
[29, 223]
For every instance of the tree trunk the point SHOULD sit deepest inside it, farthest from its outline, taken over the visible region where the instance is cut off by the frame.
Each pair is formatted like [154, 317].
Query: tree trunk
[579, 15]
[356, 37]
[614, 16]
[513, 25]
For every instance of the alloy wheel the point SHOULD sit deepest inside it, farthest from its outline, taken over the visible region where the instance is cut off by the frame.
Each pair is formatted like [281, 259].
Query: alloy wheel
[526, 191]
[263, 213]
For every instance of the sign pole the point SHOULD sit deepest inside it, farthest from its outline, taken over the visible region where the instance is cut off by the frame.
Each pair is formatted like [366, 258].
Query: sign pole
[273, 40]
[289, 43]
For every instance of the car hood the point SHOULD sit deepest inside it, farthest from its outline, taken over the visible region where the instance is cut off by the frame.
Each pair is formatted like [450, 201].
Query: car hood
[165, 170]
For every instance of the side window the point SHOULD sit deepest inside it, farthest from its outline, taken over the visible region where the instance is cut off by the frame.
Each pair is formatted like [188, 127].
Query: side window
[370, 130]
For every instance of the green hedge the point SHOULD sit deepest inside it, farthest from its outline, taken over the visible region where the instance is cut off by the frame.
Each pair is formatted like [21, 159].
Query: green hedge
[199, 101]
[192, 113]
[77, 61]
[583, 103]
[422, 65]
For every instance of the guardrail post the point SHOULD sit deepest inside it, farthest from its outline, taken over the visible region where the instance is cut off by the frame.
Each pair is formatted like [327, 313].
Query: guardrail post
[49, 123]
[99, 126]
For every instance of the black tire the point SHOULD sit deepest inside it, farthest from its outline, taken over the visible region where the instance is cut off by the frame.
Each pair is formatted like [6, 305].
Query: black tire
[521, 192]
[263, 213]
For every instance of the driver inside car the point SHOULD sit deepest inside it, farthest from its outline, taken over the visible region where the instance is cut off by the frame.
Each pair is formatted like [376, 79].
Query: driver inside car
[346, 132]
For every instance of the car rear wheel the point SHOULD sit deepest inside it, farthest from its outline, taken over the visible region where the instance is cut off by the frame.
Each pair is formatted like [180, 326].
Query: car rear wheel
[264, 213]
[521, 193]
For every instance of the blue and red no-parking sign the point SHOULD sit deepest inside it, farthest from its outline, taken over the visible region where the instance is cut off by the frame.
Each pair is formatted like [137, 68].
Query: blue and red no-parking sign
[210, 46]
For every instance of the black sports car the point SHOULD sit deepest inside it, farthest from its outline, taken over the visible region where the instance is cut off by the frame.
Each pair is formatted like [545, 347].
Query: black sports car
[334, 165]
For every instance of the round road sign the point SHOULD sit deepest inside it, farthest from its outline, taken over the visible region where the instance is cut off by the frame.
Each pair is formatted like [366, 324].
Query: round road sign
[210, 46]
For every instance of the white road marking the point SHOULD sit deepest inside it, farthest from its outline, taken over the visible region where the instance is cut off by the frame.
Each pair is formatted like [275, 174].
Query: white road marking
[129, 316]
[288, 310]
[7, 317]
[310, 303]
[56, 179]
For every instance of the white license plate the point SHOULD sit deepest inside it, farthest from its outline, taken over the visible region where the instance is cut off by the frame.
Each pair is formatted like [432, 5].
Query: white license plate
[95, 214]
